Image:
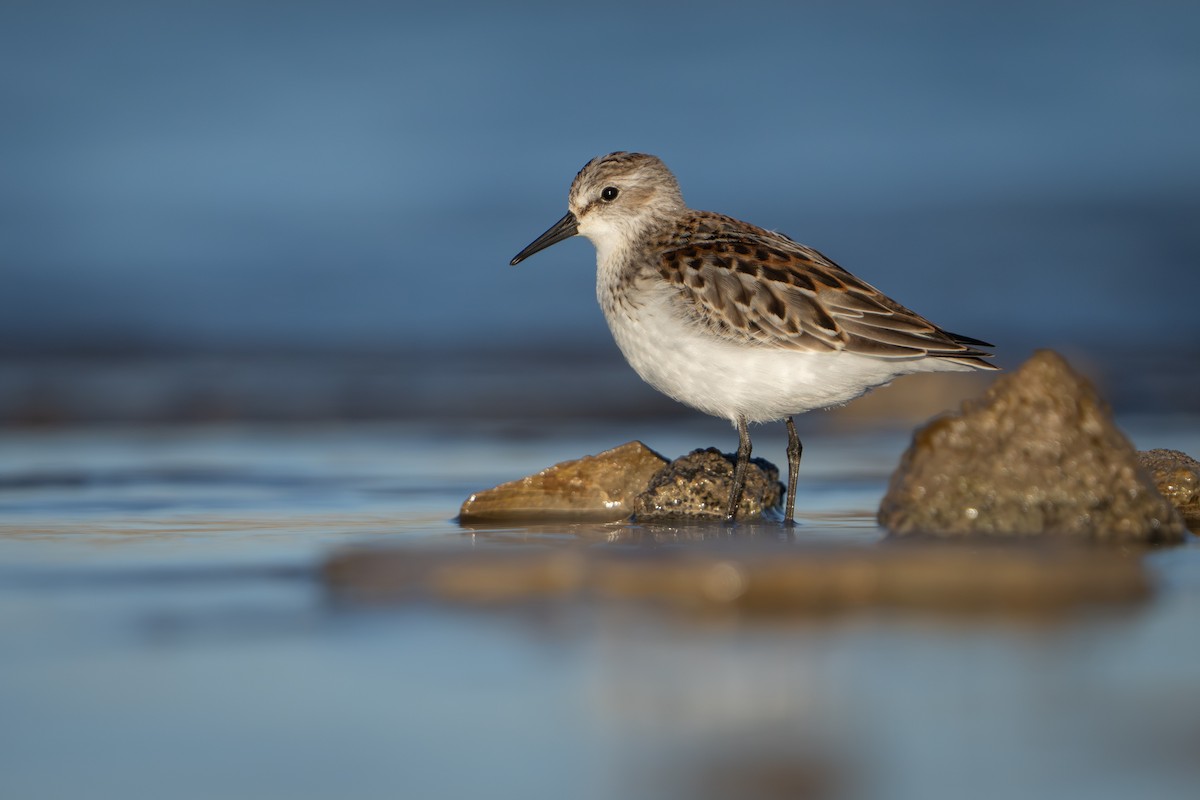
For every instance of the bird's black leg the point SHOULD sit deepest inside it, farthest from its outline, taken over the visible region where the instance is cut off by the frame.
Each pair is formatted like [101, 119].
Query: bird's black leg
[794, 449]
[739, 471]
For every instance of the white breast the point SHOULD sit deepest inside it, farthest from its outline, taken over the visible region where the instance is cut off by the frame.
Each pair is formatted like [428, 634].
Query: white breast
[729, 378]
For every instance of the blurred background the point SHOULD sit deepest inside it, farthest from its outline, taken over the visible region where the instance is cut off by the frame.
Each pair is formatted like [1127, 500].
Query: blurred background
[218, 214]
[227, 210]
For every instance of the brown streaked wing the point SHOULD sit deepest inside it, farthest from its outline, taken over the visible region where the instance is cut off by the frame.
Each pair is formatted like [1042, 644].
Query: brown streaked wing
[761, 287]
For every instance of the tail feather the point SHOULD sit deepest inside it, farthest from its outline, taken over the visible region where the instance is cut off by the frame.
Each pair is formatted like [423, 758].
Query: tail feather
[971, 355]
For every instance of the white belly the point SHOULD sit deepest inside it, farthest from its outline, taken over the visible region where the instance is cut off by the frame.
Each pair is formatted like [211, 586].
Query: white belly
[731, 379]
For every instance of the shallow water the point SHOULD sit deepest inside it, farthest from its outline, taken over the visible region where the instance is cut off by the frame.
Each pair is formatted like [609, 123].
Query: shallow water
[168, 634]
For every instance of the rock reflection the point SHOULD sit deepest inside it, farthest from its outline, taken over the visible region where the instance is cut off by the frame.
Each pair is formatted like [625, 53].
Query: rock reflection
[756, 579]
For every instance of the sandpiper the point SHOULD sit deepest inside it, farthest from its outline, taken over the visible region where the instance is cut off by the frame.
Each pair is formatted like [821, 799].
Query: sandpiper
[735, 320]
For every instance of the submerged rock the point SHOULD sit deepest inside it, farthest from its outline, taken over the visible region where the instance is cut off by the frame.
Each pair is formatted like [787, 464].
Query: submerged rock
[595, 488]
[1177, 476]
[1037, 454]
[697, 486]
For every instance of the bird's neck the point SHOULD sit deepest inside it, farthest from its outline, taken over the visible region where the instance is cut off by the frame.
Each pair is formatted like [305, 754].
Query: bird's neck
[618, 244]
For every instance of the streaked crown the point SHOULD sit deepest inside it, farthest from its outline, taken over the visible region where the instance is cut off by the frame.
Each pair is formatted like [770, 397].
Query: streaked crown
[621, 186]
[613, 200]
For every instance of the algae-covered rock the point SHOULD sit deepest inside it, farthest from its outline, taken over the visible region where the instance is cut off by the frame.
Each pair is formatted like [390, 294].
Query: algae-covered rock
[1177, 476]
[595, 488]
[697, 486]
[1037, 454]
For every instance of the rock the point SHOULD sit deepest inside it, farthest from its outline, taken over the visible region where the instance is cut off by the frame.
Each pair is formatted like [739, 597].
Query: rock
[596, 488]
[1177, 476]
[696, 486]
[1037, 454]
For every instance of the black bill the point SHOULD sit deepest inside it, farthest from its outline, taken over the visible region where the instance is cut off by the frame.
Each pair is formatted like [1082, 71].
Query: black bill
[565, 228]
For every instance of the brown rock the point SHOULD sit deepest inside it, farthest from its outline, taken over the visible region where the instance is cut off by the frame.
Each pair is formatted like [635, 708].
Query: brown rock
[696, 486]
[1037, 454]
[597, 488]
[1177, 476]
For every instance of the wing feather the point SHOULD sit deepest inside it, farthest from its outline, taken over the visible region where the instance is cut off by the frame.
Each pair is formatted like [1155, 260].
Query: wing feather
[760, 287]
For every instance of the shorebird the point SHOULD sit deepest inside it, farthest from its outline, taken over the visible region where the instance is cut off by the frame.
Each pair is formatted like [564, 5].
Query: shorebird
[735, 320]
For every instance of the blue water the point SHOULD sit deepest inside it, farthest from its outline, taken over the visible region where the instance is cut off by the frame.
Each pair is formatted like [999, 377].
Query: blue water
[358, 174]
[167, 634]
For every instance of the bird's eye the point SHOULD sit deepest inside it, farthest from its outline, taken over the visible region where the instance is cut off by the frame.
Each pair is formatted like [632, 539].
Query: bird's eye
[609, 194]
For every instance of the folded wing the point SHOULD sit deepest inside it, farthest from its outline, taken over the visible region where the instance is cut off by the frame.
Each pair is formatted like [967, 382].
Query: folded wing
[758, 286]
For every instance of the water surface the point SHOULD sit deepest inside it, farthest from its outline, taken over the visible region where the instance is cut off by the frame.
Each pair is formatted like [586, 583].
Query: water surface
[167, 633]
